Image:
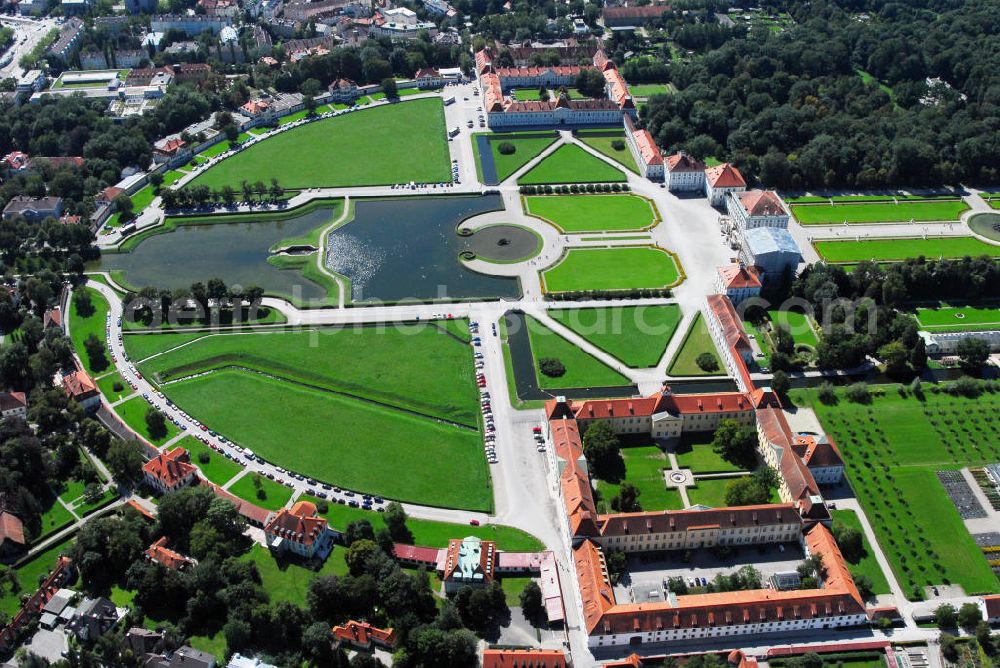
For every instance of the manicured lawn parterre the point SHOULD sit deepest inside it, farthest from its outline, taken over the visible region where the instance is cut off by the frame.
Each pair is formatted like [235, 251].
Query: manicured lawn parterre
[624, 268]
[582, 369]
[798, 324]
[275, 494]
[339, 151]
[636, 335]
[285, 581]
[878, 212]
[527, 145]
[54, 517]
[571, 164]
[867, 564]
[958, 318]
[900, 249]
[697, 341]
[80, 328]
[593, 213]
[526, 94]
[218, 469]
[603, 140]
[336, 439]
[419, 367]
[133, 413]
[431, 533]
[644, 466]
[892, 448]
[712, 492]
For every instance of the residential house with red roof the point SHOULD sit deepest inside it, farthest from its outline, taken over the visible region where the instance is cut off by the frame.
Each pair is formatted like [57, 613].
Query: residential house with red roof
[81, 389]
[738, 282]
[633, 15]
[170, 471]
[757, 208]
[722, 180]
[991, 608]
[362, 635]
[159, 553]
[344, 91]
[169, 149]
[683, 173]
[16, 162]
[301, 531]
[524, 658]
[13, 405]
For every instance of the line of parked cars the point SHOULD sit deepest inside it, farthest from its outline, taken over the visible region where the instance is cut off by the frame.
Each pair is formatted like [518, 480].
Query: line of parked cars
[485, 404]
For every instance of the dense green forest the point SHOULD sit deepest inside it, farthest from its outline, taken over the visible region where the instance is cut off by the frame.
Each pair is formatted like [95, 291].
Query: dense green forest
[840, 98]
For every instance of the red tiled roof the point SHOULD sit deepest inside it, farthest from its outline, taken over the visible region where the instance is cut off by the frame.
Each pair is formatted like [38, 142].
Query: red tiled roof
[300, 524]
[682, 162]
[558, 70]
[109, 194]
[63, 160]
[602, 62]
[817, 453]
[363, 634]
[761, 203]
[11, 528]
[647, 147]
[170, 467]
[738, 276]
[160, 554]
[487, 558]
[10, 401]
[524, 658]
[579, 499]
[427, 555]
[732, 326]
[492, 92]
[566, 440]
[79, 386]
[664, 521]
[597, 594]
[484, 61]
[618, 89]
[426, 72]
[627, 13]
[724, 176]
[170, 146]
[138, 507]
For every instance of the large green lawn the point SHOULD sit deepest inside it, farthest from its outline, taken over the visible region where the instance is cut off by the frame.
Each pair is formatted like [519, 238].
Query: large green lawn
[798, 324]
[892, 448]
[604, 140]
[593, 213]
[648, 90]
[431, 533]
[900, 249]
[270, 495]
[958, 318]
[582, 369]
[141, 346]
[643, 468]
[636, 335]
[571, 164]
[217, 469]
[878, 212]
[623, 268]
[867, 564]
[133, 413]
[80, 328]
[697, 341]
[341, 440]
[527, 145]
[107, 383]
[285, 581]
[395, 143]
[712, 492]
[419, 367]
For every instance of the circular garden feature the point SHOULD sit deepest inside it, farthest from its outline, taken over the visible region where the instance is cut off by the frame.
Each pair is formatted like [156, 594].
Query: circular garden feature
[501, 243]
[986, 225]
